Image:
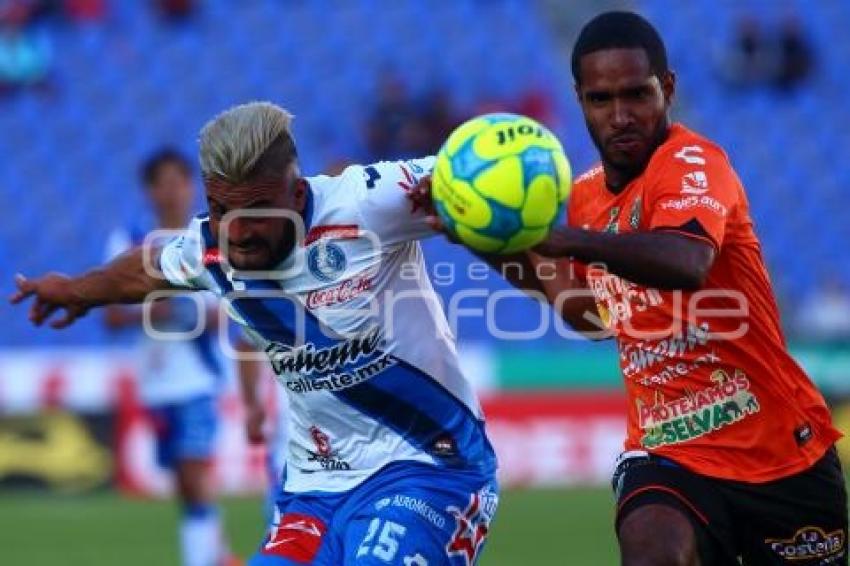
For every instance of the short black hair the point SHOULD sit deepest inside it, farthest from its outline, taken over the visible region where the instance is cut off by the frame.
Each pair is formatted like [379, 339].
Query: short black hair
[620, 30]
[160, 158]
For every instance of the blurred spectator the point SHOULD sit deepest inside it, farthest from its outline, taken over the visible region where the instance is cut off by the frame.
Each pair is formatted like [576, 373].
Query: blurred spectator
[26, 52]
[824, 315]
[749, 60]
[536, 103]
[85, 10]
[782, 59]
[438, 119]
[176, 10]
[795, 56]
[20, 13]
[395, 129]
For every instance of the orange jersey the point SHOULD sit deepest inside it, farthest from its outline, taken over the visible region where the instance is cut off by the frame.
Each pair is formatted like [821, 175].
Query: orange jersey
[709, 379]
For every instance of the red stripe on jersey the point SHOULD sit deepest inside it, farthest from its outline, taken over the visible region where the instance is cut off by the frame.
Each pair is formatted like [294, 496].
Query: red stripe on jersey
[333, 231]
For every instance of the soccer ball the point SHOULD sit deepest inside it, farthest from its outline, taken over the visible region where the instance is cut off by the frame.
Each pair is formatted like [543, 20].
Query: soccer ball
[500, 182]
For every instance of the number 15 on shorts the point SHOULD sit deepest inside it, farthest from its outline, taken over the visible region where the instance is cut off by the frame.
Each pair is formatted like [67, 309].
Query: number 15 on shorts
[384, 545]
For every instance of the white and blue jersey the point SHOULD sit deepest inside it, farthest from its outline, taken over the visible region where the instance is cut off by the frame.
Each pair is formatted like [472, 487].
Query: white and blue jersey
[354, 333]
[173, 371]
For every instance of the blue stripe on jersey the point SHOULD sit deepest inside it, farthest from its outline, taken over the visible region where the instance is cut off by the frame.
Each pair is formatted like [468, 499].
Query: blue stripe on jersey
[409, 385]
[402, 398]
[252, 310]
[382, 400]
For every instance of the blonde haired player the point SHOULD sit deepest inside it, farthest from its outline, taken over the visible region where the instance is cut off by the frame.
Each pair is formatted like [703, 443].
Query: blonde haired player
[388, 462]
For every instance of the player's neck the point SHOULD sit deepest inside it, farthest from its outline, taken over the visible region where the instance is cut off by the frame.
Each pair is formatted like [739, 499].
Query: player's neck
[617, 179]
[175, 222]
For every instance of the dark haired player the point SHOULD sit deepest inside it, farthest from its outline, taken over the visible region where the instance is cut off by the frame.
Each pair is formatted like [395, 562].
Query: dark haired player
[178, 380]
[730, 446]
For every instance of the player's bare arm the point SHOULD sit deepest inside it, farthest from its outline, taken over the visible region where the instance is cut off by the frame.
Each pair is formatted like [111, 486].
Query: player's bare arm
[539, 276]
[660, 259]
[123, 280]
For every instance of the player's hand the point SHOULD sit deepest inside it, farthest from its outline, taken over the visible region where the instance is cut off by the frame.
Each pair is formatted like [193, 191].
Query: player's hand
[255, 417]
[421, 197]
[554, 245]
[52, 292]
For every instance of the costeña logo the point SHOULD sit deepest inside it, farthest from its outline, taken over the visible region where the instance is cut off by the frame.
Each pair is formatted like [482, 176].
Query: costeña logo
[808, 543]
[326, 261]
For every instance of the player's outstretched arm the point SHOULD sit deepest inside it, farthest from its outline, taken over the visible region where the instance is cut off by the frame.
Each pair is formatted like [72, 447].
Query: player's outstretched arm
[123, 280]
[541, 277]
[661, 259]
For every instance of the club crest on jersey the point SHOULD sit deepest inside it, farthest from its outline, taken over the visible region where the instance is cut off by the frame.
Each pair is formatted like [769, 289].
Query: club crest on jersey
[634, 214]
[324, 455]
[326, 261]
[613, 219]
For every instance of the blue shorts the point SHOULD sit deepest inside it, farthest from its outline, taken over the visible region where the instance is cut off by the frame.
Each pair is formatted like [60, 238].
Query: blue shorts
[185, 431]
[409, 514]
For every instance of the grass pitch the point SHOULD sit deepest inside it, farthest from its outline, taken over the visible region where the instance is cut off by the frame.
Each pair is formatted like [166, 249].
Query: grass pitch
[532, 528]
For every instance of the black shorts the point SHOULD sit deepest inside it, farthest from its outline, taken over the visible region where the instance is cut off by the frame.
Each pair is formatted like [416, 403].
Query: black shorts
[799, 520]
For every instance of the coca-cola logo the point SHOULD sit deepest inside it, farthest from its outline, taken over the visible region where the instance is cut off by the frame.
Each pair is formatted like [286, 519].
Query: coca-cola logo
[341, 293]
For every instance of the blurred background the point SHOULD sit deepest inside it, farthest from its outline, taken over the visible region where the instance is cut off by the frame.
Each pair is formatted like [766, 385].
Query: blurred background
[90, 88]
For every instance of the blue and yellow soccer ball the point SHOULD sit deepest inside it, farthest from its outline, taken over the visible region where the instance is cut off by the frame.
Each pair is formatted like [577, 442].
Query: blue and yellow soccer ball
[500, 183]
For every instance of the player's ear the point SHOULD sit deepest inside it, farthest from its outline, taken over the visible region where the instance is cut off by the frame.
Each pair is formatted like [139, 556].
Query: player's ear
[668, 87]
[300, 188]
[577, 88]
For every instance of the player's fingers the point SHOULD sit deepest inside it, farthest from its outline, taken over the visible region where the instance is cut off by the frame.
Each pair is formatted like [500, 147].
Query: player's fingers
[421, 192]
[36, 310]
[41, 311]
[25, 289]
[423, 186]
[436, 224]
[71, 314]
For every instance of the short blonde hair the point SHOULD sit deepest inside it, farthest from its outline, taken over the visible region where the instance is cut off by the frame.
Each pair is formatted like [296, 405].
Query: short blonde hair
[233, 143]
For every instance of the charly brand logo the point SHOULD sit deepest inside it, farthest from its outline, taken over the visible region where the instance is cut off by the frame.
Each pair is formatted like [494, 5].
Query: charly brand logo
[699, 413]
[810, 543]
[326, 261]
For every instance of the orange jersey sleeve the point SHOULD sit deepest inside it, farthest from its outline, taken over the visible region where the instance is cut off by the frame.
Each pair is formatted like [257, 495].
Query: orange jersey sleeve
[694, 193]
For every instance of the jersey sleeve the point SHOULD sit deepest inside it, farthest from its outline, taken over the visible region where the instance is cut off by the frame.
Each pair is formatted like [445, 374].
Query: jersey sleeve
[384, 207]
[694, 193]
[181, 260]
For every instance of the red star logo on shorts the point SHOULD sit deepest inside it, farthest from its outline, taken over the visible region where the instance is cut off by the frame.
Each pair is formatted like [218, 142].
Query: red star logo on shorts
[470, 530]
